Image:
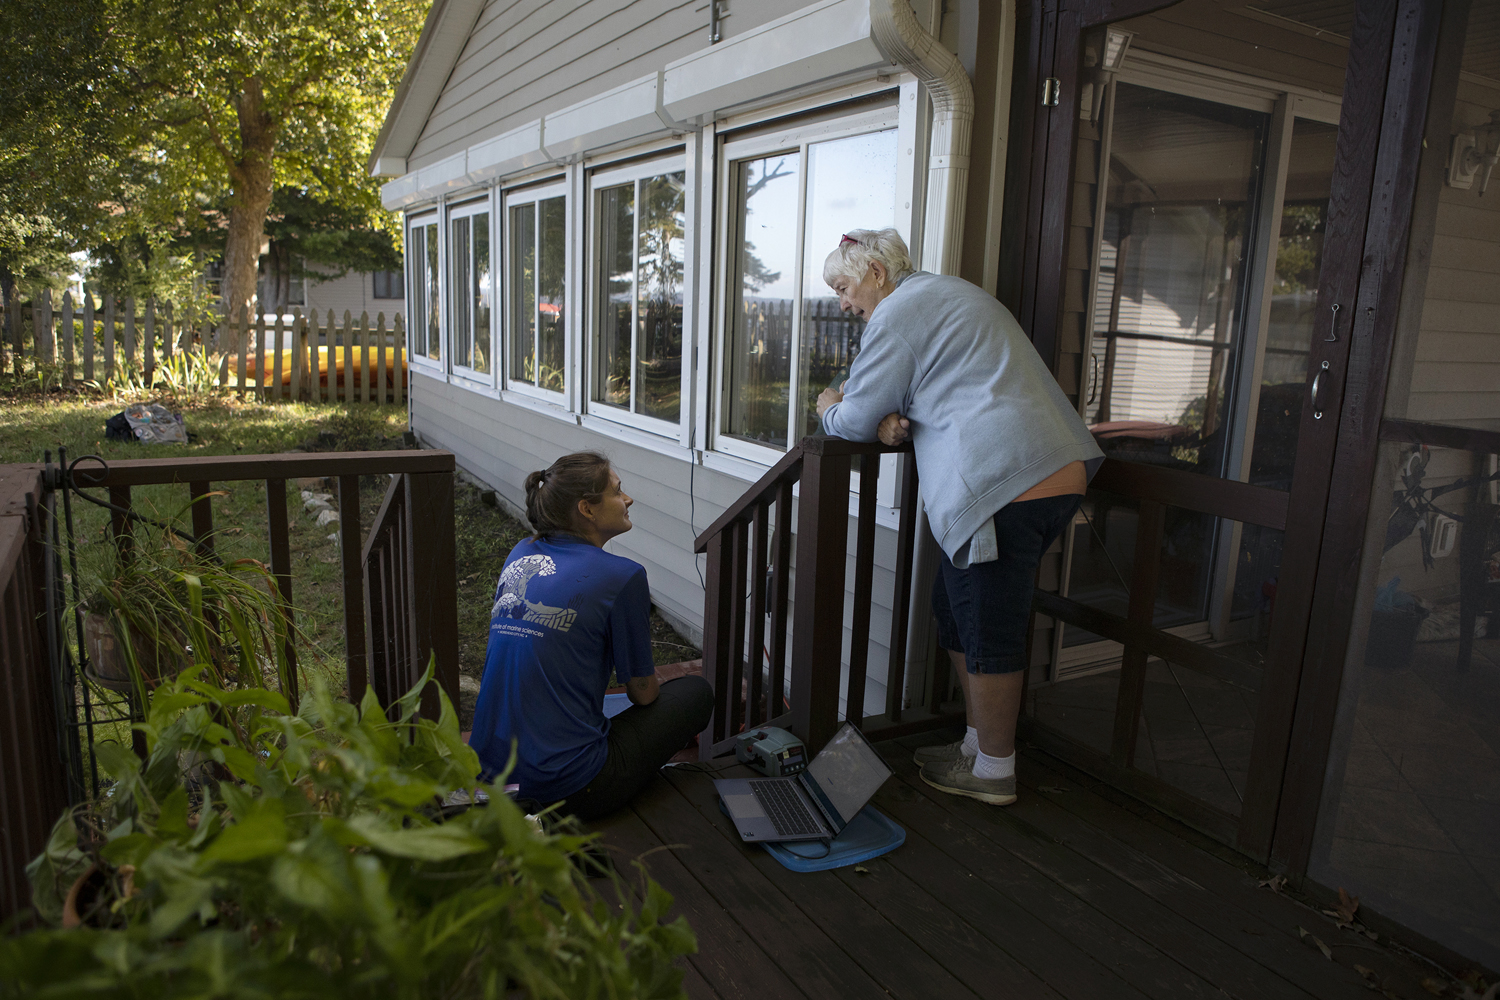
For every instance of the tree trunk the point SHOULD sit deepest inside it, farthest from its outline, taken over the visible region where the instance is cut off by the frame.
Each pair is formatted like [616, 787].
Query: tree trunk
[252, 177]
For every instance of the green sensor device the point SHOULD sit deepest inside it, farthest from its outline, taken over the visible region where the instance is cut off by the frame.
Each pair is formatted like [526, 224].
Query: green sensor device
[773, 752]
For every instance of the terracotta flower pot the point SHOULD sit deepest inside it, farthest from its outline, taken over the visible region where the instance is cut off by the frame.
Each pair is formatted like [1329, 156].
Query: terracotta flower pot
[83, 889]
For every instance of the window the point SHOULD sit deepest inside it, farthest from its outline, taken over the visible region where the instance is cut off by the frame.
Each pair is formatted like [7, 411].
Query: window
[422, 259]
[639, 251]
[470, 286]
[790, 195]
[535, 284]
[389, 285]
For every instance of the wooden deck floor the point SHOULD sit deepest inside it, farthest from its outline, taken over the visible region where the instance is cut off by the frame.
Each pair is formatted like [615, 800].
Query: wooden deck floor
[1066, 894]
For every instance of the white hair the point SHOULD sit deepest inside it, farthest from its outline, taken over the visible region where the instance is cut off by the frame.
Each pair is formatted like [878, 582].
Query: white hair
[860, 248]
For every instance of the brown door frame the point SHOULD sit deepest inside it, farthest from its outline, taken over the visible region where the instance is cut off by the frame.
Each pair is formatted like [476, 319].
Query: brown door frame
[1039, 164]
[1422, 41]
[1392, 47]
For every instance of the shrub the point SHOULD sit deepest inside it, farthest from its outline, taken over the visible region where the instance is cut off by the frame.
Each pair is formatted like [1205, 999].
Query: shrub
[261, 853]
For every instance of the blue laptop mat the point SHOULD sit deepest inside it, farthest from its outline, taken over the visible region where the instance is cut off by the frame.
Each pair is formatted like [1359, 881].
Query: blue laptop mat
[869, 835]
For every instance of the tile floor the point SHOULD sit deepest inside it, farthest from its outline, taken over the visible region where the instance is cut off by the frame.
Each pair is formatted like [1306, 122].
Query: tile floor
[1413, 822]
[1415, 815]
[1195, 731]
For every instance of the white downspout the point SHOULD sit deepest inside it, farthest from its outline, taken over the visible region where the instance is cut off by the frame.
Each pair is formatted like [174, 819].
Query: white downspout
[894, 27]
[896, 31]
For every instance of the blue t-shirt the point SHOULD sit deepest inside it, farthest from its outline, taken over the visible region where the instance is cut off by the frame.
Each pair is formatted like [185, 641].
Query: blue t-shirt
[566, 613]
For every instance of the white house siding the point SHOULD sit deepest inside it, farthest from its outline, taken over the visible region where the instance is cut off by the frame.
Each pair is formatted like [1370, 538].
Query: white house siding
[1456, 374]
[528, 58]
[500, 443]
[353, 292]
[1451, 374]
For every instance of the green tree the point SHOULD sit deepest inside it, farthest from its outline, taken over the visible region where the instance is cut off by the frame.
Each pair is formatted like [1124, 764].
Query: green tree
[55, 136]
[154, 133]
[318, 239]
[245, 96]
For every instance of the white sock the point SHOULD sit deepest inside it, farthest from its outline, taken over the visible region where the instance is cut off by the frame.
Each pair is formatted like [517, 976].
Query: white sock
[989, 768]
[971, 742]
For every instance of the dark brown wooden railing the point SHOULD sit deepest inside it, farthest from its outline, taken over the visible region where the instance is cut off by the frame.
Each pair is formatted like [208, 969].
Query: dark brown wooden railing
[411, 589]
[750, 590]
[400, 603]
[33, 788]
[432, 468]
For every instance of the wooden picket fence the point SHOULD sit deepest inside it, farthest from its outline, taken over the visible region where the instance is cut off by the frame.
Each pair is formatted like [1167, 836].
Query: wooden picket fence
[119, 341]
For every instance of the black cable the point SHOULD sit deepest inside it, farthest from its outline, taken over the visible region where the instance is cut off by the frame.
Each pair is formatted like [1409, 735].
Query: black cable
[692, 505]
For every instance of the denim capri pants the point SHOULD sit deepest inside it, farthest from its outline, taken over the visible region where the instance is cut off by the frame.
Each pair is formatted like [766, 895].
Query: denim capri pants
[984, 611]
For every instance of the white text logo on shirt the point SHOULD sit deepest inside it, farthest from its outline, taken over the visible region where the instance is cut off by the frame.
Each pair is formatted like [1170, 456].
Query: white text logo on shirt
[512, 602]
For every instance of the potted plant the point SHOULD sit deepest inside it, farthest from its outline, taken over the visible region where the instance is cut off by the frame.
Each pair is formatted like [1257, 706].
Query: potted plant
[323, 866]
[165, 604]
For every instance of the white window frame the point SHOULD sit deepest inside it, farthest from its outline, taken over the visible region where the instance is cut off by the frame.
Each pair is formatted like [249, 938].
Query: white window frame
[469, 210]
[532, 195]
[599, 179]
[417, 354]
[795, 138]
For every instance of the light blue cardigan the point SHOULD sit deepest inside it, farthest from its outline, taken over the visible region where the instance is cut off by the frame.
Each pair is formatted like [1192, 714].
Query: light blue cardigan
[987, 419]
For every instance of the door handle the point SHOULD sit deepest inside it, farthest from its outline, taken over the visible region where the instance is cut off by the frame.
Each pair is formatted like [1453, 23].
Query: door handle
[1317, 413]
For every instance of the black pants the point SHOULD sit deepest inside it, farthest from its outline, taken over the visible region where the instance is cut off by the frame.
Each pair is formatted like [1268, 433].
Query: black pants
[641, 739]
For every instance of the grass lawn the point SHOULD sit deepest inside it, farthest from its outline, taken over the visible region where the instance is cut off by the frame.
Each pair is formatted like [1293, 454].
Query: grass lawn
[33, 422]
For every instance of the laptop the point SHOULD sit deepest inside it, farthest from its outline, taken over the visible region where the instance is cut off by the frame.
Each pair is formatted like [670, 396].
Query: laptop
[814, 804]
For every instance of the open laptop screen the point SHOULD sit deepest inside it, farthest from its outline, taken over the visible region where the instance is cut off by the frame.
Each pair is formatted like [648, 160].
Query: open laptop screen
[848, 772]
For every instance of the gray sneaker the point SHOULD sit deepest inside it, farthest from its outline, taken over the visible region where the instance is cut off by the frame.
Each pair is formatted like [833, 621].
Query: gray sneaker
[956, 777]
[937, 754]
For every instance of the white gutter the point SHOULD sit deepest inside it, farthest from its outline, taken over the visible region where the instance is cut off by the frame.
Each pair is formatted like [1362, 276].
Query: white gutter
[895, 30]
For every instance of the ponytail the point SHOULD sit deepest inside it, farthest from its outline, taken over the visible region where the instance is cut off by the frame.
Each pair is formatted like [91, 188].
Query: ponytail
[552, 494]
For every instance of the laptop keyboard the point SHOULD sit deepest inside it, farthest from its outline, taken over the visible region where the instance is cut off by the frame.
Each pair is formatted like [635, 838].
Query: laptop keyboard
[788, 813]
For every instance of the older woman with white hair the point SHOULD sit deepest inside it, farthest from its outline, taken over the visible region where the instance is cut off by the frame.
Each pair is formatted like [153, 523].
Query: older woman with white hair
[1004, 461]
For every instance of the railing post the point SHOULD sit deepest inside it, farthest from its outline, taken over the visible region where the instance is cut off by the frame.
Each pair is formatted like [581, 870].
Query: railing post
[432, 555]
[864, 570]
[33, 743]
[906, 543]
[818, 624]
[281, 568]
[354, 587]
[716, 648]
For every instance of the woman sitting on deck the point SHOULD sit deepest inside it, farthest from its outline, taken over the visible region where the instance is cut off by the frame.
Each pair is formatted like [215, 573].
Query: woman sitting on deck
[567, 614]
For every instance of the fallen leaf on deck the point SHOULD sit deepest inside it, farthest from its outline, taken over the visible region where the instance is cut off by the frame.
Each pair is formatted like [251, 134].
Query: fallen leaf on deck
[1435, 986]
[1348, 906]
[1327, 951]
[1275, 884]
[861, 869]
[1367, 973]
